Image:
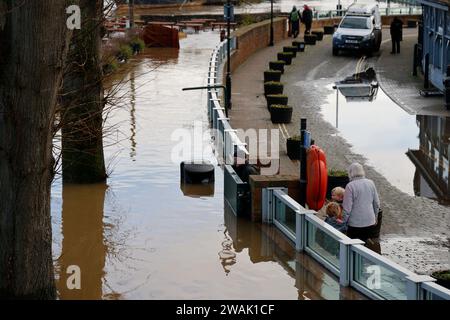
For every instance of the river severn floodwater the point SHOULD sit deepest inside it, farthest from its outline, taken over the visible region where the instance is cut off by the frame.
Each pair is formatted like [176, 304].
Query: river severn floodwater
[141, 236]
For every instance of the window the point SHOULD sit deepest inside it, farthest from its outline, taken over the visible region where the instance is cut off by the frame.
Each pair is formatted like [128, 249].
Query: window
[356, 23]
[437, 60]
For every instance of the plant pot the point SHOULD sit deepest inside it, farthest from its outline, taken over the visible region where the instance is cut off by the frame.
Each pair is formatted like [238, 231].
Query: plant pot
[310, 39]
[411, 23]
[300, 45]
[272, 75]
[280, 114]
[336, 181]
[291, 49]
[286, 57]
[328, 29]
[277, 65]
[276, 99]
[293, 148]
[318, 34]
[442, 278]
[273, 88]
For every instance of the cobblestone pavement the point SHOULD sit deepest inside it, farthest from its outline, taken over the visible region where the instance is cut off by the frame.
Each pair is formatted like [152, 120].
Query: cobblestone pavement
[416, 230]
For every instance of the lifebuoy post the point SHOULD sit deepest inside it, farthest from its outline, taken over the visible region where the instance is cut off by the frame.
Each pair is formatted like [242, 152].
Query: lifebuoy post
[305, 143]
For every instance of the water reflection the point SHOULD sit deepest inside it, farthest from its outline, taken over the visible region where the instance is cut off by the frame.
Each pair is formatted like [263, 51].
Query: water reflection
[381, 131]
[432, 158]
[265, 244]
[83, 244]
[133, 114]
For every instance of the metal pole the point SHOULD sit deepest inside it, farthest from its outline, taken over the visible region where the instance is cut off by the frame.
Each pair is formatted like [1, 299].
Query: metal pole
[303, 181]
[228, 77]
[271, 24]
[337, 108]
[131, 12]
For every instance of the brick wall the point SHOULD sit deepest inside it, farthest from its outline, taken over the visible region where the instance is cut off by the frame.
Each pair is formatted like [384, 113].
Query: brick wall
[255, 37]
[257, 183]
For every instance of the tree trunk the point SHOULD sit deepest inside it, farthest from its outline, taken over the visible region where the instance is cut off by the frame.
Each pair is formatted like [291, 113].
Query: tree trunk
[83, 101]
[32, 48]
[82, 228]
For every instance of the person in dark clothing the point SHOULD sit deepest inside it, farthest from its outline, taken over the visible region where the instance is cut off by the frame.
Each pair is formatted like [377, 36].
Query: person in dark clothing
[294, 22]
[396, 34]
[307, 18]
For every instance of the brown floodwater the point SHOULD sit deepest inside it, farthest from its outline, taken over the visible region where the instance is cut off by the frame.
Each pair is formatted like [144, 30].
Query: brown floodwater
[141, 236]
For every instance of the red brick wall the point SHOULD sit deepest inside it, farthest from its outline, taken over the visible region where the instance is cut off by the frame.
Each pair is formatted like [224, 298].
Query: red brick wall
[255, 37]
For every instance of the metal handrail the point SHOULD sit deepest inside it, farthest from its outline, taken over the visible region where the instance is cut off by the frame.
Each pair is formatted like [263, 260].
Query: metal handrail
[421, 286]
[217, 110]
[433, 288]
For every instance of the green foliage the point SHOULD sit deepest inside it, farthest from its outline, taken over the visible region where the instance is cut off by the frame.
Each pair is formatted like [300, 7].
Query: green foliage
[295, 138]
[278, 62]
[286, 54]
[248, 19]
[280, 106]
[138, 43]
[125, 52]
[273, 83]
[337, 173]
[442, 275]
[277, 96]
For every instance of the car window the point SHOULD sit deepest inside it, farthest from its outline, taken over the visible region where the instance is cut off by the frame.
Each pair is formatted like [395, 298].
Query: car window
[356, 23]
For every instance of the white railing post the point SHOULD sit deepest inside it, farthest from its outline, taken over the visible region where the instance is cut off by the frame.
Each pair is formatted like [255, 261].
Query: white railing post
[413, 286]
[300, 229]
[345, 260]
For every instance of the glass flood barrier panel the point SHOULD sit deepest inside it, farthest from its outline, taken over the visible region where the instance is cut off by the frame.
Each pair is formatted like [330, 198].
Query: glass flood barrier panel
[378, 279]
[323, 244]
[285, 216]
[432, 291]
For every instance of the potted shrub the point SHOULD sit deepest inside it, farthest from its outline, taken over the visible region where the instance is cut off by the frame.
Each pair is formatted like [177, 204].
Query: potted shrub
[277, 65]
[300, 45]
[276, 99]
[273, 87]
[286, 57]
[280, 113]
[318, 34]
[328, 29]
[336, 178]
[293, 147]
[310, 39]
[442, 278]
[272, 75]
[292, 49]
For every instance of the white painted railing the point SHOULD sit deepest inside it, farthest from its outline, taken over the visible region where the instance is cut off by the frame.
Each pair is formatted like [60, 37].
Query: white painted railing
[357, 266]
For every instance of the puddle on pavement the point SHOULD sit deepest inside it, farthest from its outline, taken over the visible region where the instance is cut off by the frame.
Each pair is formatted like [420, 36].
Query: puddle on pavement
[379, 130]
[144, 237]
[411, 151]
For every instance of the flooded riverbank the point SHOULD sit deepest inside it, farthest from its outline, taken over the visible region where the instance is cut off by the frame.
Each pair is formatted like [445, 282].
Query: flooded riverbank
[140, 237]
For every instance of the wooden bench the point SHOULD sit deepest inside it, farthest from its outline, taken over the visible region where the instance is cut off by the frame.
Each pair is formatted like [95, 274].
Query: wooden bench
[223, 25]
[196, 26]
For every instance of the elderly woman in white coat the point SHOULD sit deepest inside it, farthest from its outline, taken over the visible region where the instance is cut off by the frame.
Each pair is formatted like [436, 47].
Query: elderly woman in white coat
[361, 204]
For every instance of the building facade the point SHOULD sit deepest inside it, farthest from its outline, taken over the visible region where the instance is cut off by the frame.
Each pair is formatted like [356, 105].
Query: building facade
[436, 39]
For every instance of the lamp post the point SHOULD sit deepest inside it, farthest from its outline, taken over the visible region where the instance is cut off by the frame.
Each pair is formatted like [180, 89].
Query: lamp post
[131, 13]
[271, 24]
[228, 76]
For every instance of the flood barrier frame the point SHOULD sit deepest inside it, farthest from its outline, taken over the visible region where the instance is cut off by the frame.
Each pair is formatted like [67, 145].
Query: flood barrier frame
[416, 287]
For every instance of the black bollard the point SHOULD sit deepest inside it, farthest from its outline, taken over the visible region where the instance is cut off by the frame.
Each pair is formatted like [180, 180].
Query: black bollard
[305, 139]
[426, 80]
[447, 88]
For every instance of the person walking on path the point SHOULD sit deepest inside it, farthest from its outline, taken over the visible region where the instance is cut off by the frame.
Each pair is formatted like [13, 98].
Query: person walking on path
[361, 204]
[396, 34]
[307, 18]
[294, 21]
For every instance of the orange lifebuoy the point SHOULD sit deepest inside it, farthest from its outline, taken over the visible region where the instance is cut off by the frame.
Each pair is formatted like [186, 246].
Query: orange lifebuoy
[317, 178]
